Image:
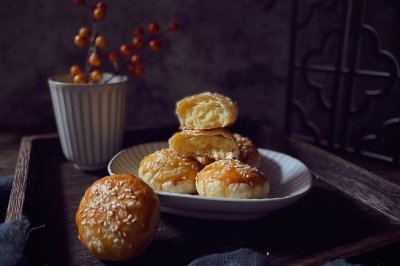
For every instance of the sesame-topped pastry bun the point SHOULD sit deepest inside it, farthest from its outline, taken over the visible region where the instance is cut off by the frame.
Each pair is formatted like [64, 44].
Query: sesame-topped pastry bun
[118, 217]
[164, 170]
[214, 143]
[232, 179]
[248, 151]
[206, 111]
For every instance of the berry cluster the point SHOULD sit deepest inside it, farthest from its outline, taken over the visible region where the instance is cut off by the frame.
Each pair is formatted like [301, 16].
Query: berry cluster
[127, 59]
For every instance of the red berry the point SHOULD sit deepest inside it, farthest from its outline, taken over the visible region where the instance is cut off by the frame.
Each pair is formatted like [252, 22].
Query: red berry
[75, 70]
[94, 60]
[174, 26]
[101, 5]
[139, 31]
[79, 2]
[96, 75]
[100, 41]
[154, 27]
[84, 32]
[155, 45]
[99, 14]
[139, 71]
[136, 70]
[79, 79]
[125, 50]
[137, 42]
[136, 59]
[80, 41]
[113, 57]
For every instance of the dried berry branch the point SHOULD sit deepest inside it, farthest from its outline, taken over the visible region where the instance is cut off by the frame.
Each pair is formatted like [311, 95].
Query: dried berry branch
[129, 57]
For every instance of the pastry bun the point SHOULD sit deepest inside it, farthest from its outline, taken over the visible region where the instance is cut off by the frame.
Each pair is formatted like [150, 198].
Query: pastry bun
[248, 152]
[118, 217]
[164, 170]
[214, 143]
[231, 179]
[206, 111]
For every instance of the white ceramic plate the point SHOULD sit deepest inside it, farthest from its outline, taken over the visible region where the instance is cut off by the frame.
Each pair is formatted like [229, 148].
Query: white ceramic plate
[289, 181]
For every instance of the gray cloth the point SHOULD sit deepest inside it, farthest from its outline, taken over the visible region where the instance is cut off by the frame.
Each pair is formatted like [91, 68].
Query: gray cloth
[13, 236]
[240, 257]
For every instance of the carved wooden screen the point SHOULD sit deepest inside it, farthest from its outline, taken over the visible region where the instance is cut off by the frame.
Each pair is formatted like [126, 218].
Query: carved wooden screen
[343, 90]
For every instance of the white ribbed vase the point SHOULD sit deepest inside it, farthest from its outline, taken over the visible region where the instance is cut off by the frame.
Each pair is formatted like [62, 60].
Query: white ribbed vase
[90, 119]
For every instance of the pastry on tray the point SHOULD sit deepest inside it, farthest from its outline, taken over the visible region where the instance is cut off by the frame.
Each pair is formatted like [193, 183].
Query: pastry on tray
[232, 179]
[206, 111]
[248, 152]
[164, 170]
[118, 217]
[215, 143]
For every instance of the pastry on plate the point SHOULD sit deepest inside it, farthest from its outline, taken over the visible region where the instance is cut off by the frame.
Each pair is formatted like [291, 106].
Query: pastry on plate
[206, 111]
[231, 179]
[216, 144]
[248, 152]
[164, 170]
[118, 217]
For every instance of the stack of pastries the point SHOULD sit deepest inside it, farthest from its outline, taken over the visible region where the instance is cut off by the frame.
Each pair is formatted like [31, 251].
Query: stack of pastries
[205, 157]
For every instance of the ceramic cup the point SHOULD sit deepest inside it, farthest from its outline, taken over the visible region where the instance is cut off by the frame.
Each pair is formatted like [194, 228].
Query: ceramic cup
[90, 119]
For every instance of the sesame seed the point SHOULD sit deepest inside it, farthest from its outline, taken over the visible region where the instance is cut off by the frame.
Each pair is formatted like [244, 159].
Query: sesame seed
[124, 234]
[116, 240]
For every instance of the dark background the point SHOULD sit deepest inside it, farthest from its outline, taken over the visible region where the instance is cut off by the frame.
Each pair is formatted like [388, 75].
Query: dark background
[323, 71]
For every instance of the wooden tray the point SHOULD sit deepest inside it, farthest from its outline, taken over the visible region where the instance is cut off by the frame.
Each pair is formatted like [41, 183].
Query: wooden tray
[349, 211]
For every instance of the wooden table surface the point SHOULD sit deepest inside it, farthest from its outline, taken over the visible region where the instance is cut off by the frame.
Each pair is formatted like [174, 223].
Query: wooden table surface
[10, 143]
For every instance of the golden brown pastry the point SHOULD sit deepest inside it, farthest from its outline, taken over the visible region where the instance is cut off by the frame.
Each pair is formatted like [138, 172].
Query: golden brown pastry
[206, 111]
[204, 160]
[248, 152]
[164, 170]
[214, 143]
[231, 179]
[118, 217]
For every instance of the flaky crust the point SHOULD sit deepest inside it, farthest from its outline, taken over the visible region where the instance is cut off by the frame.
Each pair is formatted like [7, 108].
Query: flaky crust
[118, 217]
[214, 143]
[248, 152]
[206, 111]
[231, 179]
[164, 170]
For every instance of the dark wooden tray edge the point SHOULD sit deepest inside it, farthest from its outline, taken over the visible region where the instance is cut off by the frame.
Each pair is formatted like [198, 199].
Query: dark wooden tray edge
[17, 195]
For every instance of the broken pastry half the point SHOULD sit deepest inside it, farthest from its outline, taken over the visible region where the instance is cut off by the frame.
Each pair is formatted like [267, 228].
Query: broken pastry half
[216, 144]
[206, 111]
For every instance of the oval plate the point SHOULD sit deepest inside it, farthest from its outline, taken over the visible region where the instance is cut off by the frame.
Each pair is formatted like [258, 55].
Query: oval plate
[289, 181]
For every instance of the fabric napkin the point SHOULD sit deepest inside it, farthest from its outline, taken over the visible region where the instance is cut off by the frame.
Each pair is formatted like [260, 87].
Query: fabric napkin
[243, 256]
[13, 235]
